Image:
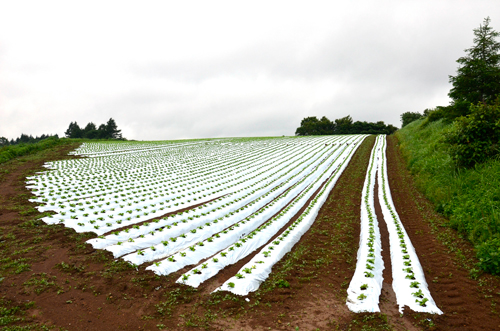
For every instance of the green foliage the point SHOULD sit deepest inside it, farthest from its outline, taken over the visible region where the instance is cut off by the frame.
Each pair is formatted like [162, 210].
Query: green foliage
[105, 131]
[25, 139]
[448, 113]
[478, 77]
[489, 255]
[408, 117]
[469, 197]
[310, 126]
[10, 152]
[282, 283]
[474, 139]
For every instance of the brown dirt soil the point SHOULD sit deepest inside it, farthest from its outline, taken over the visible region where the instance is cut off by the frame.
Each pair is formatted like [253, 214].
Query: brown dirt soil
[58, 281]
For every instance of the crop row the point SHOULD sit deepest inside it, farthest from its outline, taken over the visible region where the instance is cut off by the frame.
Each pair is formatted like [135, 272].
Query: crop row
[409, 282]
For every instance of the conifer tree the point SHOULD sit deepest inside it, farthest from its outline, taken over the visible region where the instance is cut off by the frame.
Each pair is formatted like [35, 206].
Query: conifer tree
[478, 76]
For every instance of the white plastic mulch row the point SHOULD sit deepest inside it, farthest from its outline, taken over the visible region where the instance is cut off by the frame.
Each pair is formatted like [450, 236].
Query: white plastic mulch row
[409, 282]
[240, 183]
[408, 279]
[104, 214]
[222, 240]
[252, 274]
[182, 235]
[181, 223]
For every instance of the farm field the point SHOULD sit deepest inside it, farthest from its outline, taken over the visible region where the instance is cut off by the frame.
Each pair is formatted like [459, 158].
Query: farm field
[230, 234]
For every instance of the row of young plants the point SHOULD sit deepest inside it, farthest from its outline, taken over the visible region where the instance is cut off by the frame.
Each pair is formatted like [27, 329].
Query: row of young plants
[408, 279]
[244, 201]
[219, 240]
[409, 282]
[252, 274]
[115, 210]
[241, 185]
[100, 149]
[261, 235]
[54, 183]
[366, 284]
[257, 184]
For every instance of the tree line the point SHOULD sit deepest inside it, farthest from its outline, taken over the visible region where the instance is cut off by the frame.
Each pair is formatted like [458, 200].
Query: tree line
[91, 131]
[25, 139]
[474, 109]
[310, 126]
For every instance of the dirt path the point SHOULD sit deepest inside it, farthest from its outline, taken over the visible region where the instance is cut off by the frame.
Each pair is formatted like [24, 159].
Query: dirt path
[48, 276]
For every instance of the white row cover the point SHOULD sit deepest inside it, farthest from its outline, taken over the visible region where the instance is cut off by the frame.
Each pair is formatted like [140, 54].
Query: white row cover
[256, 239]
[409, 282]
[252, 274]
[223, 240]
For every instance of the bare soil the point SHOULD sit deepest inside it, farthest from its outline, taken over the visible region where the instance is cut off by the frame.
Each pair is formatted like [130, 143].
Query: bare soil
[57, 281]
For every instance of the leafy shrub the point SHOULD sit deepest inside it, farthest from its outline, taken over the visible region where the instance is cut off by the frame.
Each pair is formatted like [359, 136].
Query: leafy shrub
[474, 139]
[469, 198]
[282, 283]
[489, 256]
[408, 117]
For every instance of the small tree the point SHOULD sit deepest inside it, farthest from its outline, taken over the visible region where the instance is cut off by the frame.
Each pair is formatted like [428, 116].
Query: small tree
[343, 125]
[112, 131]
[308, 127]
[90, 131]
[408, 117]
[74, 131]
[478, 76]
[4, 141]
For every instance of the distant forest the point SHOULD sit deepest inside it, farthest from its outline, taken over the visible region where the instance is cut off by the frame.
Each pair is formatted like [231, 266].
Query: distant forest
[311, 126]
[91, 131]
[25, 139]
[104, 131]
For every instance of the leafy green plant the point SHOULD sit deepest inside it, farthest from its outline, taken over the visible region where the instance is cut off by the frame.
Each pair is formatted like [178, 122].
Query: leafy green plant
[362, 296]
[475, 138]
[422, 302]
[418, 294]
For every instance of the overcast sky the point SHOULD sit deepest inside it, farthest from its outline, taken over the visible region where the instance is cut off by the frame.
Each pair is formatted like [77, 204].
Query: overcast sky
[196, 69]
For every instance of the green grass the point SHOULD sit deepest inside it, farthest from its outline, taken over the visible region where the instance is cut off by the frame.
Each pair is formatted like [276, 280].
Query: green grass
[10, 152]
[469, 198]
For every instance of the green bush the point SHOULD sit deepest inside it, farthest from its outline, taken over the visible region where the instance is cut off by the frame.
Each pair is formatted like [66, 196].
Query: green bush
[474, 139]
[408, 117]
[489, 256]
[468, 197]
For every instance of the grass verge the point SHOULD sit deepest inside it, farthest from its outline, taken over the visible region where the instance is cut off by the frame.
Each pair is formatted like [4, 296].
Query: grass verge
[469, 198]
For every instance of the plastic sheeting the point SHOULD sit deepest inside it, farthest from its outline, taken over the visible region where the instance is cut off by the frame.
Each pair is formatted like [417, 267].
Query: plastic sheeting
[190, 256]
[407, 274]
[250, 276]
[366, 284]
[256, 239]
[408, 282]
[233, 202]
[115, 212]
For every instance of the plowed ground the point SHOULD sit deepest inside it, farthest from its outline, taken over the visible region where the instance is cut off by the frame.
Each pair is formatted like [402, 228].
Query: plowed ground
[49, 278]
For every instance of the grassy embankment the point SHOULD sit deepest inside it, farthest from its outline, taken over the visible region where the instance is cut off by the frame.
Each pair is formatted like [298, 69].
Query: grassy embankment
[8, 153]
[469, 198]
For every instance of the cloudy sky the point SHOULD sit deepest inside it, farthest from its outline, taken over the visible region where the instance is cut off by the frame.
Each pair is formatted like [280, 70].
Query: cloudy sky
[195, 69]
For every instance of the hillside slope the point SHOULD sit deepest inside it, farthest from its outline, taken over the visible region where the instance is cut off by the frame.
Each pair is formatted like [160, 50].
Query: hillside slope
[469, 198]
